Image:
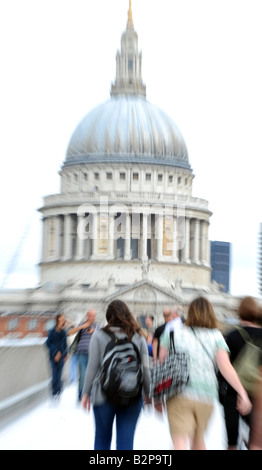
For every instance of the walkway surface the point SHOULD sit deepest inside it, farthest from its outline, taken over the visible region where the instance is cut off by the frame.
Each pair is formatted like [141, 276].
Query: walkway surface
[67, 426]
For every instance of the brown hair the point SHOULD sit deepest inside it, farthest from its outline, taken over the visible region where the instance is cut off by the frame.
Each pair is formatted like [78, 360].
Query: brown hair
[118, 314]
[201, 314]
[248, 310]
[59, 315]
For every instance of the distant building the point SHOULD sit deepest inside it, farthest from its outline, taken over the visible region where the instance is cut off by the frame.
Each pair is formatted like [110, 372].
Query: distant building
[220, 263]
[259, 260]
[18, 325]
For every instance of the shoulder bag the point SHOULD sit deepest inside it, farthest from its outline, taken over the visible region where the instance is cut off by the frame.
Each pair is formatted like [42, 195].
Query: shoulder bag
[247, 363]
[170, 377]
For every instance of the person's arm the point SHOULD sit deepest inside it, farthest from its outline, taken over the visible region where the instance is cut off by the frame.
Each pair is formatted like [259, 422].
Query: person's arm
[227, 370]
[154, 349]
[163, 352]
[164, 345]
[92, 369]
[145, 362]
[65, 353]
[72, 331]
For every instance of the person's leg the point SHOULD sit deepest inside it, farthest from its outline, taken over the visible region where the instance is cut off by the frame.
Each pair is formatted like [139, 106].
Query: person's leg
[181, 421]
[198, 443]
[54, 376]
[73, 368]
[104, 418]
[57, 368]
[231, 419]
[82, 365]
[59, 382]
[126, 420]
[202, 414]
[180, 441]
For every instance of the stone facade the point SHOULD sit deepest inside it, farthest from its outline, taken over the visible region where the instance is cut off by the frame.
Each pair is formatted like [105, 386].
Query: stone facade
[125, 223]
[115, 226]
[143, 297]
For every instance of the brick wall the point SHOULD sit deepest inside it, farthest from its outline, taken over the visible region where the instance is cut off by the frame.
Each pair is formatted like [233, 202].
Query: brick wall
[20, 326]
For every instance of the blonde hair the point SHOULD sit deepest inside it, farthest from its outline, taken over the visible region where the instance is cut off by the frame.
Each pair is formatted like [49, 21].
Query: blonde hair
[201, 314]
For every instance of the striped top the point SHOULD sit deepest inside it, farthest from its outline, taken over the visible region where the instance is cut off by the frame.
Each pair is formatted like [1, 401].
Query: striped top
[85, 339]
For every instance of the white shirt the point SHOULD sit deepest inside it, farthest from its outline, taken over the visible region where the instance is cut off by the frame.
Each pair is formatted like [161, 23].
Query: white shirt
[173, 325]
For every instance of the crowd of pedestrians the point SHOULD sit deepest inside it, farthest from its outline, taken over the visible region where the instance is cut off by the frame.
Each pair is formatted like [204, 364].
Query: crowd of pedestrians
[211, 355]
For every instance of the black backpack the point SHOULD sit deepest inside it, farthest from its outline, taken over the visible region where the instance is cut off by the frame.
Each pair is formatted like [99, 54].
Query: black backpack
[121, 377]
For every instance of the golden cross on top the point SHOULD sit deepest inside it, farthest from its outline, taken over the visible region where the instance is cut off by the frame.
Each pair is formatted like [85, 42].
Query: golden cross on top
[130, 15]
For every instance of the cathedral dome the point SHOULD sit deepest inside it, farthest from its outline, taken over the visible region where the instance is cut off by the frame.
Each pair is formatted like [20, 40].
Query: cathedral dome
[127, 128]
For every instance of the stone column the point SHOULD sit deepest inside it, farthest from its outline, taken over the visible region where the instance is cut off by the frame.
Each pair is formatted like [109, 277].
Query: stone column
[186, 249]
[175, 247]
[127, 252]
[58, 237]
[204, 243]
[45, 239]
[51, 238]
[144, 235]
[208, 261]
[159, 237]
[111, 241]
[80, 238]
[94, 236]
[196, 241]
[67, 251]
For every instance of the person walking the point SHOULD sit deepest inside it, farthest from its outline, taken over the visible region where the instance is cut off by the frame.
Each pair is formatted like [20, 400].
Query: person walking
[58, 353]
[159, 331]
[149, 333]
[87, 329]
[189, 412]
[175, 321]
[73, 345]
[123, 325]
[149, 324]
[249, 316]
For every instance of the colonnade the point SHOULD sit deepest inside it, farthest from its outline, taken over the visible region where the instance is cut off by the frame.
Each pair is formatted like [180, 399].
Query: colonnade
[127, 236]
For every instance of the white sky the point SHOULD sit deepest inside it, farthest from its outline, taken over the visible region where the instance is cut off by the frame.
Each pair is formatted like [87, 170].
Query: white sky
[201, 65]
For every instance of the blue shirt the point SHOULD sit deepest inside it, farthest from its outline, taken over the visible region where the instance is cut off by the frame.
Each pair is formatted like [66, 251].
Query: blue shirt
[56, 342]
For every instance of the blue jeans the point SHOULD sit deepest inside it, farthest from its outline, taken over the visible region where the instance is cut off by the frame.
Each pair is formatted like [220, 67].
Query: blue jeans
[73, 368]
[57, 369]
[82, 365]
[126, 420]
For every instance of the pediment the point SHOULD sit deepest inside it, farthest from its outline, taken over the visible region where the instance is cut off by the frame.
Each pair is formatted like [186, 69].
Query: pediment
[144, 292]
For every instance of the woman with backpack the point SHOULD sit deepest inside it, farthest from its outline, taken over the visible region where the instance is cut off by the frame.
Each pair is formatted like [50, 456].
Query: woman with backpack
[117, 377]
[249, 331]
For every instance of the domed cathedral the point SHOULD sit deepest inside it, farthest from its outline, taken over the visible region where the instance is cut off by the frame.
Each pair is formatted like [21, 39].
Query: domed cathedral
[125, 222]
